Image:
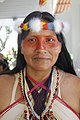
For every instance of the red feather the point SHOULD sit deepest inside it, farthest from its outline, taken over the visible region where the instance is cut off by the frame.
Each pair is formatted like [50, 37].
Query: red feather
[42, 2]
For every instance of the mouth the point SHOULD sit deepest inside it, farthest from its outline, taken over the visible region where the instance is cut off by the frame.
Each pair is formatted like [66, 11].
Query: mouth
[41, 58]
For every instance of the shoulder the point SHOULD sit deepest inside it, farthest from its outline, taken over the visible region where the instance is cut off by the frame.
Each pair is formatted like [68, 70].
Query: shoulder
[70, 90]
[71, 83]
[6, 88]
[6, 77]
[6, 81]
[72, 79]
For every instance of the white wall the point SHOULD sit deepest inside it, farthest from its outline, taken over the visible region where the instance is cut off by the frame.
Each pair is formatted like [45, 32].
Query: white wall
[72, 16]
[76, 33]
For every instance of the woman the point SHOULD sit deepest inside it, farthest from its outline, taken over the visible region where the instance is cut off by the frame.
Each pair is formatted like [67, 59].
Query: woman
[43, 85]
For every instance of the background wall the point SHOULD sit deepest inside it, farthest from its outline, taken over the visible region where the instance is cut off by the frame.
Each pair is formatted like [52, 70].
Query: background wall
[76, 34]
[72, 16]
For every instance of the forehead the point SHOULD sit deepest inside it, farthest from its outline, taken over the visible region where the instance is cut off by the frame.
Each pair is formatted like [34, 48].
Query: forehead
[42, 32]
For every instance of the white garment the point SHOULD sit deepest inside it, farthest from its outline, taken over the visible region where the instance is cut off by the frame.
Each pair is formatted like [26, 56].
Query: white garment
[17, 109]
[13, 113]
[60, 109]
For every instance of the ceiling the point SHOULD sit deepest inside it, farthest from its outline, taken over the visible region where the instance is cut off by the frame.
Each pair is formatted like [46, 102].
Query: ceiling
[20, 8]
[17, 8]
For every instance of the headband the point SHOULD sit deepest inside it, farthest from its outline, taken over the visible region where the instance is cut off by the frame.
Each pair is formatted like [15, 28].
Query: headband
[36, 25]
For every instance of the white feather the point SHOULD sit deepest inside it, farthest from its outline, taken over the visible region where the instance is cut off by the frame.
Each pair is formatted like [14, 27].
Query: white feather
[17, 26]
[57, 26]
[61, 26]
[66, 27]
[35, 24]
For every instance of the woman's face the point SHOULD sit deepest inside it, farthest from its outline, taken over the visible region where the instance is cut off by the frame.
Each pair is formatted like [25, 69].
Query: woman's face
[41, 50]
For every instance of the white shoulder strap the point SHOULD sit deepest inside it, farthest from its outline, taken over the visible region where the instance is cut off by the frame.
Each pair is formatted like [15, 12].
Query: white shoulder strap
[60, 80]
[14, 88]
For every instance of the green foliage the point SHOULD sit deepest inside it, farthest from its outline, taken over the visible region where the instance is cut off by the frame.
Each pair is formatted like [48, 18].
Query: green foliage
[11, 55]
[8, 32]
[11, 58]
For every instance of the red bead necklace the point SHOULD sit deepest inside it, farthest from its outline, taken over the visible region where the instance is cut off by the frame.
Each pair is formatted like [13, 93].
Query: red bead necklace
[49, 113]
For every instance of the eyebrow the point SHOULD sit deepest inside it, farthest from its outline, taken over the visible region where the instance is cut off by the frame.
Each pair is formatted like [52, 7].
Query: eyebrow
[34, 35]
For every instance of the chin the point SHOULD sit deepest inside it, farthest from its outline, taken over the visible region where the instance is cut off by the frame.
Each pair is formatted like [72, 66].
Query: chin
[42, 68]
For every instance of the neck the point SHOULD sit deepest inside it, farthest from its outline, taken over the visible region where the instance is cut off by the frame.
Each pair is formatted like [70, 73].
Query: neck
[38, 75]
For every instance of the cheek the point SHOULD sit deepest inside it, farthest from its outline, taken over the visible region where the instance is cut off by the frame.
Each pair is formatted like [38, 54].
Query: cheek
[25, 44]
[56, 50]
[25, 50]
[27, 54]
[28, 46]
[55, 55]
[54, 44]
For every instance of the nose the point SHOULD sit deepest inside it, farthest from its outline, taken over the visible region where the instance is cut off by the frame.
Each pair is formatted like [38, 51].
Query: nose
[41, 45]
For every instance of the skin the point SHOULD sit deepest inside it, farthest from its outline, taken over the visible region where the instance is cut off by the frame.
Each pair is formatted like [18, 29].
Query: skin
[1, 68]
[41, 51]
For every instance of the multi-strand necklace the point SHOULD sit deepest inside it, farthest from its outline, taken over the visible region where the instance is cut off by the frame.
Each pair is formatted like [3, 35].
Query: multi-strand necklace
[29, 113]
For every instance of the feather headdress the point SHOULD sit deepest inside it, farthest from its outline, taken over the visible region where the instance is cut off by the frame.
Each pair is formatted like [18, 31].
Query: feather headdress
[37, 25]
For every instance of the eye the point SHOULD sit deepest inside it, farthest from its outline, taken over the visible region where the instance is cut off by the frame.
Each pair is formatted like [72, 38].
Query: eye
[32, 40]
[49, 40]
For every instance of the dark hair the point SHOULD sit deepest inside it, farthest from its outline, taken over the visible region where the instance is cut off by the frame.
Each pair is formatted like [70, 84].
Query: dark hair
[4, 64]
[64, 61]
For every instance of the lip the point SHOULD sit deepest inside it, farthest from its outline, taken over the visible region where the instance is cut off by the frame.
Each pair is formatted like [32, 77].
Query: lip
[41, 57]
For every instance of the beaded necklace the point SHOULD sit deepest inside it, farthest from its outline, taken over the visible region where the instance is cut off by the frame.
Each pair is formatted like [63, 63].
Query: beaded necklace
[29, 113]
